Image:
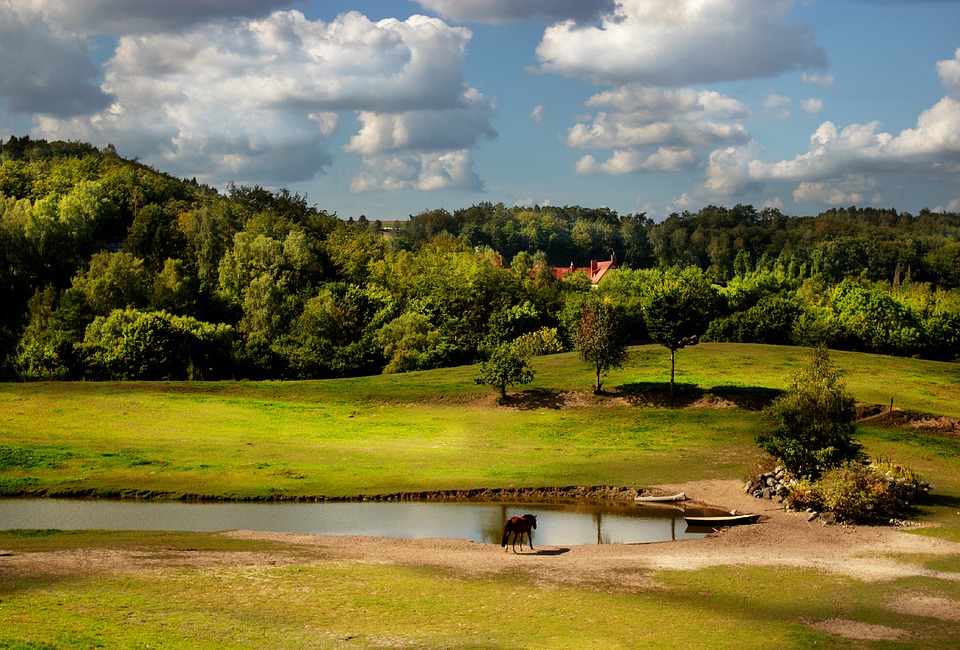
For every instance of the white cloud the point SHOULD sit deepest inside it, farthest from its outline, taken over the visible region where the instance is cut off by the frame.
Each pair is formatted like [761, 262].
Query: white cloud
[812, 106]
[433, 130]
[775, 101]
[452, 170]
[663, 159]
[257, 100]
[817, 79]
[842, 163]
[679, 42]
[850, 189]
[504, 11]
[949, 72]
[537, 113]
[952, 206]
[656, 130]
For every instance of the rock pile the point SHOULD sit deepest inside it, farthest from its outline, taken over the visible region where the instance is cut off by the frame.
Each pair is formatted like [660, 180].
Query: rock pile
[768, 485]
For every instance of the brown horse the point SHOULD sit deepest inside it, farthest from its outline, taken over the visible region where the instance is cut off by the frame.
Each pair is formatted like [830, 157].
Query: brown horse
[517, 526]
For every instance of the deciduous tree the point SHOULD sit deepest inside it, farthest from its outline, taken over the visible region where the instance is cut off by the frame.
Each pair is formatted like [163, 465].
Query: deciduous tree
[677, 308]
[600, 338]
[507, 366]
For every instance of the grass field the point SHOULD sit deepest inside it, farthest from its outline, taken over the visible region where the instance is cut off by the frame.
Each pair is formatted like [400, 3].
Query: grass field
[437, 430]
[424, 431]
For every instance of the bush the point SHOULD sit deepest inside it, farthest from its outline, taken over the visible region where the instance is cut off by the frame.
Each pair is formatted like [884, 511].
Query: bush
[813, 422]
[859, 493]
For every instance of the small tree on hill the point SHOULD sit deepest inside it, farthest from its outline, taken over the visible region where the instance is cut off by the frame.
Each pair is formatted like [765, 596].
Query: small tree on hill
[506, 366]
[599, 338]
[813, 423]
[677, 307]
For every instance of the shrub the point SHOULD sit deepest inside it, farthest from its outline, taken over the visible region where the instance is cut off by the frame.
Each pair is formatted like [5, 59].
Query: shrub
[858, 493]
[813, 422]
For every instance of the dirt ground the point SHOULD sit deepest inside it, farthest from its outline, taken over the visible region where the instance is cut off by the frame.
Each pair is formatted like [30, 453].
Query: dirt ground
[779, 539]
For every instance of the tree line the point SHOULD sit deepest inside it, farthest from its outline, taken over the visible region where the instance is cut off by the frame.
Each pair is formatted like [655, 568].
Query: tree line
[110, 269]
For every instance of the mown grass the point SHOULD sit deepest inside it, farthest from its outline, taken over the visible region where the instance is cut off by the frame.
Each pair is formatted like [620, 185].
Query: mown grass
[433, 431]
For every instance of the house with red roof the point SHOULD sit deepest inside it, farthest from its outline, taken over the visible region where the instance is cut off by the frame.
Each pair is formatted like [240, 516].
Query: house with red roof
[595, 271]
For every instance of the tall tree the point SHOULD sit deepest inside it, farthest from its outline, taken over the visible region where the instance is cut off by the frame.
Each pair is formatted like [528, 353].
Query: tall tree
[678, 305]
[600, 339]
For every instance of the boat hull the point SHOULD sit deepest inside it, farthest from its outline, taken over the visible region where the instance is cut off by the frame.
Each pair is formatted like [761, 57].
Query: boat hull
[717, 522]
[664, 499]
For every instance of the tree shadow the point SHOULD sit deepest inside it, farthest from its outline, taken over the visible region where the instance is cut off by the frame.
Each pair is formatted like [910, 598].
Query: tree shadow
[750, 398]
[685, 395]
[535, 398]
[655, 393]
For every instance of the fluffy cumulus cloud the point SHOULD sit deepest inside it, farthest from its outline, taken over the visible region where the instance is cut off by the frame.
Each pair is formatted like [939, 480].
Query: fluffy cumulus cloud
[681, 42]
[452, 170]
[503, 11]
[812, 105]
[653, 129]
[842, 164]
[949, 72]
[258, 99]
[849, 189]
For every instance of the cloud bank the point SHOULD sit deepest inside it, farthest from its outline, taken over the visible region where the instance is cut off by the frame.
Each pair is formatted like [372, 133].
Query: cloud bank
[251, 99]
[680, 42]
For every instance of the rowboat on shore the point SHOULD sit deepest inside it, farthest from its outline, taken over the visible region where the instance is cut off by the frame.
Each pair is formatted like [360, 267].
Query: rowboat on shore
[662, 499]
[723, 520]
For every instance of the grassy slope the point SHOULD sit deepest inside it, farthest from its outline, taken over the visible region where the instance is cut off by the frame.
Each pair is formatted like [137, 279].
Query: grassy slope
[424, 431]
[436, 430]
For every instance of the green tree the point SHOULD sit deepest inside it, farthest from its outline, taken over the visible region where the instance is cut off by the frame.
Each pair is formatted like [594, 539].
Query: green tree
[677, 308]
[600, 339]
[813, 422]
[131, 344]
[114, 281]
[507, 366]
[408, 342]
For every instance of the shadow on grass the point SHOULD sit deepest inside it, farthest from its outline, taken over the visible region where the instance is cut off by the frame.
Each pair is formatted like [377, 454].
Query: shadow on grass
[536, 398]
[935, 500]
[686, 395]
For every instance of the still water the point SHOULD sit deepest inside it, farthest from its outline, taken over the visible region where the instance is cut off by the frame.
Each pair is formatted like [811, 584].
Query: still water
[480, 522]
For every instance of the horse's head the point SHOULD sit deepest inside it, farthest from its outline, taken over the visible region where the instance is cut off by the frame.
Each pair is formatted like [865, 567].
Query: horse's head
[532, 519]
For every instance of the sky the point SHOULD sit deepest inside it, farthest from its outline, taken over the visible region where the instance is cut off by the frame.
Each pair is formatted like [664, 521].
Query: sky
[389, 108]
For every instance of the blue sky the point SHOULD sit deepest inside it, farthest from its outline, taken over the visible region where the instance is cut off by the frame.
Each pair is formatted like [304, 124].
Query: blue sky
[387, 108]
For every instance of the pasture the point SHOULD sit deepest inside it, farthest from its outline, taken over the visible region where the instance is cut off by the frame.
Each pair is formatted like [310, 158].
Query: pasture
[438, 431]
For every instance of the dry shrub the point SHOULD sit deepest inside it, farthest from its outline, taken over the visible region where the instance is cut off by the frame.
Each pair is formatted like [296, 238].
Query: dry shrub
[859, 493]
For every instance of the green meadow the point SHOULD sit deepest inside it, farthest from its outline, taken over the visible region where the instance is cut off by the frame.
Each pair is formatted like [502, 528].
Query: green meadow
[437, 430]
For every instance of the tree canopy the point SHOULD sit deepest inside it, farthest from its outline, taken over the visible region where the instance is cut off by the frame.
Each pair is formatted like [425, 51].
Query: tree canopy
[91, 243]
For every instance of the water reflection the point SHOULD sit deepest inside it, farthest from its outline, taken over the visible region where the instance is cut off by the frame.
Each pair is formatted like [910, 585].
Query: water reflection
[557, 524]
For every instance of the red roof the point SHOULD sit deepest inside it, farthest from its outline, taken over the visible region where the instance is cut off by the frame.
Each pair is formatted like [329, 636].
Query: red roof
[595, 271]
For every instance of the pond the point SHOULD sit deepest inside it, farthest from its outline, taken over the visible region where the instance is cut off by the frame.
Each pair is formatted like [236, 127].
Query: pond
[557, 524]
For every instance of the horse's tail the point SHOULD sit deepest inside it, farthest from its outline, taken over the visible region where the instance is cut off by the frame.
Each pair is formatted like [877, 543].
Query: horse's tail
[507, 529]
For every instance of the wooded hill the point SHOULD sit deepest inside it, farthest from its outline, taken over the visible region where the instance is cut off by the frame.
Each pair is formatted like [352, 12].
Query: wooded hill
[110, 269]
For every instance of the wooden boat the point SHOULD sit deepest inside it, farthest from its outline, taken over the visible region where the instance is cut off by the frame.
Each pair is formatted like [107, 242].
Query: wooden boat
[662, 499]
[723, 520]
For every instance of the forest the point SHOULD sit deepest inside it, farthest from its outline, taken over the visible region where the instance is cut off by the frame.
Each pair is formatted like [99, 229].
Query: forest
[112, 270]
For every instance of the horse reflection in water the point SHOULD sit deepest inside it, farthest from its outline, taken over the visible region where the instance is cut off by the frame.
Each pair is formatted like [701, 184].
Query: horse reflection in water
[516, 527]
